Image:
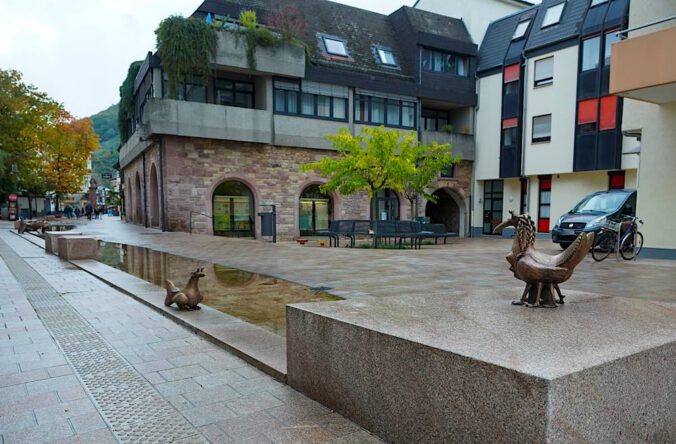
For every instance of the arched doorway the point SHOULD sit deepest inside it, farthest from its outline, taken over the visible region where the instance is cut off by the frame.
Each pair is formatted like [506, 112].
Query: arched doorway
[233, 210]
[154, 199]
[129, 201]
[138, 199]
[445, 211]
[386, 205]
[315, 210]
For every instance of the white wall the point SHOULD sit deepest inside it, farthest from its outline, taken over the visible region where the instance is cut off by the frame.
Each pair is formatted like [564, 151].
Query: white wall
[559, 100]
[476, 14]
[488, 121]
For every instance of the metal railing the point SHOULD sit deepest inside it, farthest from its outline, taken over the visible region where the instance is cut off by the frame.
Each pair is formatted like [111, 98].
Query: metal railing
[622, 34]
[197, 212]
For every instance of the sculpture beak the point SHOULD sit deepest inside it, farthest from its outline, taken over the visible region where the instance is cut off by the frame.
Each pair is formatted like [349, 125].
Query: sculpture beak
[502, 226]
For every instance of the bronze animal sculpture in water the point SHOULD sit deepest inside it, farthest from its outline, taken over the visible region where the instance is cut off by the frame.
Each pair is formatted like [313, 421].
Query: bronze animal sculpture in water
[189, 297]
[32, 225]
[538, 270]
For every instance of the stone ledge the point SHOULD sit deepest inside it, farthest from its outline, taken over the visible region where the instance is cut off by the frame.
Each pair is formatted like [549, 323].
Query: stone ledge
[459, 367]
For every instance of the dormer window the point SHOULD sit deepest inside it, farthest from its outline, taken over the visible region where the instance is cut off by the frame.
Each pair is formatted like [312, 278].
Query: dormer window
[335, 47]
[553, 15]
[597, 2]
[521, 29]
[384, 56]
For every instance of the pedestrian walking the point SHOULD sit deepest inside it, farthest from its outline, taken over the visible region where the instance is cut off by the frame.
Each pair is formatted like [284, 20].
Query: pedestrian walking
[88, 211]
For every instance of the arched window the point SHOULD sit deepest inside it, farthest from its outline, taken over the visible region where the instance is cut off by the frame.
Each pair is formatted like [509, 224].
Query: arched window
[233, 210]
[315, 212]
[386, 205]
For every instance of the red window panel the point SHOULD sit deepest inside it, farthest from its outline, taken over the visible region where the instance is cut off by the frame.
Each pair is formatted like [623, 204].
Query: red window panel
[608, 112]
[543, 225]
[511, 73]
[587, 111]
[616, 180]
[510, 123]
[545, 183]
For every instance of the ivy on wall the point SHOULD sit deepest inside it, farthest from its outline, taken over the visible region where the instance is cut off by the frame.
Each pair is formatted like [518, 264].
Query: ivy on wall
[125, 112]
[186, 47]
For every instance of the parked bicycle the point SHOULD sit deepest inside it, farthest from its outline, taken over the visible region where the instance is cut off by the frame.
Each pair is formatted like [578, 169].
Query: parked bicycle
[622, 236]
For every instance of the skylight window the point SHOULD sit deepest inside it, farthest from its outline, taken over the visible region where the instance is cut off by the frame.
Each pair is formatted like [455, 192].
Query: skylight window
[335, 47]
[386, 57]
[553, 15]
[597, 2]
[521, 29]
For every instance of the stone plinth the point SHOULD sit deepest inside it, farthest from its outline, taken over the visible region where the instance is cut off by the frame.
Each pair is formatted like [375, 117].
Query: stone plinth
[52, 237]
[77, 247]
[473, 368]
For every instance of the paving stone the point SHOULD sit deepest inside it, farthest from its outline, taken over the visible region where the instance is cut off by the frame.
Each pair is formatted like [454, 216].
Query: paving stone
[22, 377]
[100, 436]
[60, 370]
[14, 421]
[196, 358]
[361, 437]
[254, 403]
[300, 434]
[188, 371]
[49, 384]
[87, 422]
[153, 366]
[337, 424]
[180, 403]
[297, 410]
[211, 395]
[71, 393]
[248, 426]
[154, 378]
[219, 378]
[258, 385]
[27, 402]
[178, 387]
[62, 411]
[46, 361]
[214, 434]
[40, 434]
[249, 372]
[209, 414]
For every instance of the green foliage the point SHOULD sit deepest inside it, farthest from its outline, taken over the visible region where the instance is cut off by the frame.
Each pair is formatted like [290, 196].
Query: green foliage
[448, 128]
[187, 48]
[255, 36]
[378, 159]
[112, 197]
[125, 111]
[248, 19]
[105, 126]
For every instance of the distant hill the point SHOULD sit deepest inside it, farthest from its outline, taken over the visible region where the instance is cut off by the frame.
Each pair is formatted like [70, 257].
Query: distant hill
[105, 125]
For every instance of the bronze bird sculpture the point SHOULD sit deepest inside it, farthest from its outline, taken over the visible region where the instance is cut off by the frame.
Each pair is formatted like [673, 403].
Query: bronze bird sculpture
[541, 271]
[189, 297]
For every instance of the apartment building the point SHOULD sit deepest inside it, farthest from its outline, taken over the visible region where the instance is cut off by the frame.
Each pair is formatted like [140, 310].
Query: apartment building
[548, 130]
[643, 71]
[208, 161]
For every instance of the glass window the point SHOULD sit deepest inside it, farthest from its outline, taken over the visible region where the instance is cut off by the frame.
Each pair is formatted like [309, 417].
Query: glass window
[611, 37]
[553, 15]
[393, 113]
[233, 93]
[233, 206]
[280, 100]
[438, 61]
[521, 29]
[339, 108]
[361, 108]
[292, 102]
[335, 47]
[510, 137]
[377, 110]
[315, 210]
[308, 104]
[597, 2]
[542, 128]
[544, 71]
[408, 115]
[512, 88]
[590, 53]
[386, 57]
[324, 106]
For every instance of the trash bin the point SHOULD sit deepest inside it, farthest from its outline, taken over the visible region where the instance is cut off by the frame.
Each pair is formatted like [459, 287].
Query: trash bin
[267, 223]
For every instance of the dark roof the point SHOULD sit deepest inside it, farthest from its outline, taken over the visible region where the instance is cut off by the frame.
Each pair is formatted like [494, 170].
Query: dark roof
[498, 38]
[440, 25]
[567, 28]
[361, 29]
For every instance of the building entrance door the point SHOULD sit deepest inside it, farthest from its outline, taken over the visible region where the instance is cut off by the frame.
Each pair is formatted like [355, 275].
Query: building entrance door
[492, 205]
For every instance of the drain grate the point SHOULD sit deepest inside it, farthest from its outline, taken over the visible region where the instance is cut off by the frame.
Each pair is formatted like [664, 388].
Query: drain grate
[132, 407]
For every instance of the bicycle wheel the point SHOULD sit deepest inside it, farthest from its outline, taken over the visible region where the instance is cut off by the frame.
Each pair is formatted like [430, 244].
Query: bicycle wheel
[603, 245]
[631, 246]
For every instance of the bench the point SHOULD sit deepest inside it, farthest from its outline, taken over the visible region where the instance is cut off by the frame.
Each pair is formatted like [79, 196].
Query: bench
[52, 238]
[436, 231]
[77, 247]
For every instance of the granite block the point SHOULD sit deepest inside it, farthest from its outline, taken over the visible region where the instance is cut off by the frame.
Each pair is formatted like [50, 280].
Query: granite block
[77, 247]
[52, 237]
[470, 367]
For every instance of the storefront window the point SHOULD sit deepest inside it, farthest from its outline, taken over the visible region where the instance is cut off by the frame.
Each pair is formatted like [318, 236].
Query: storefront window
[315, 212]
[233, 210]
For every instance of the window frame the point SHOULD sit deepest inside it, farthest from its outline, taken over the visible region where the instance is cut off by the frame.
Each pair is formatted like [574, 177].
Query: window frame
[545, 81]
[462, 58]
[299, 102]
[607, 49]
[377, 49]
[558, 19]
[598, 38]
[342, 42]
[544, 139]
[234, 91]
[402, 105]
[525, 29]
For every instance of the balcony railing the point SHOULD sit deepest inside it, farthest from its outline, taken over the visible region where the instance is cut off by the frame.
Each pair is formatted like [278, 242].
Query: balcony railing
[461, 143]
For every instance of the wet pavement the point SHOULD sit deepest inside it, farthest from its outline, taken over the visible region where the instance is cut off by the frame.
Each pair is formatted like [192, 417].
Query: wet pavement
[50, 392]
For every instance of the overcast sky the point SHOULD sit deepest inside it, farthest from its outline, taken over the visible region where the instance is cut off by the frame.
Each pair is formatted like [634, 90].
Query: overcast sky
[78, 51]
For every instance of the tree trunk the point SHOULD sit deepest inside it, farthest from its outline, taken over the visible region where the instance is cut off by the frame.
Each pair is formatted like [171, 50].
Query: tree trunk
[30, 206]
[374, 217]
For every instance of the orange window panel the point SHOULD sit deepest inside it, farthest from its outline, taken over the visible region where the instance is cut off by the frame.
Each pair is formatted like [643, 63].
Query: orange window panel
[587, 111]
[511, 73]
[608, 112]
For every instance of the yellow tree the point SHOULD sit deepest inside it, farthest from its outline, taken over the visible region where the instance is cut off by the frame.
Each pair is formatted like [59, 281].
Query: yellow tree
[66, 151]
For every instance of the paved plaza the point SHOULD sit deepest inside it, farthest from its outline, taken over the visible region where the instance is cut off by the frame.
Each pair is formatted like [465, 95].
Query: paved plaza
[83, 362]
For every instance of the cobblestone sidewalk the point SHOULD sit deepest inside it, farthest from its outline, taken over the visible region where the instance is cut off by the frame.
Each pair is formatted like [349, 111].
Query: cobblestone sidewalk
[93, 365]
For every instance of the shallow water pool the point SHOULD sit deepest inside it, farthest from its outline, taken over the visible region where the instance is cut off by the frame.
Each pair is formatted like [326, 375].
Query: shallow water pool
[255, 298]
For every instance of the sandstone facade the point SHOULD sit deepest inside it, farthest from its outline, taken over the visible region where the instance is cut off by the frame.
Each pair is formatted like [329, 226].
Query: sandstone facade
[193, 168]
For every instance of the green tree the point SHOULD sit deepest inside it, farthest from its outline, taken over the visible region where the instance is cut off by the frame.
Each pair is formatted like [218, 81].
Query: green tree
[424, 164]
[378, 159]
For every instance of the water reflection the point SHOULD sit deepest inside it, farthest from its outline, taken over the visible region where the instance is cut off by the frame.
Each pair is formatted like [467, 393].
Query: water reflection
[252, 297]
